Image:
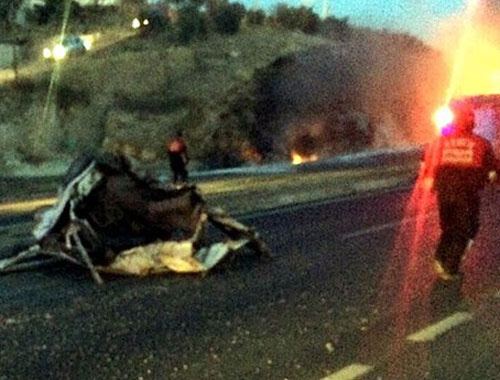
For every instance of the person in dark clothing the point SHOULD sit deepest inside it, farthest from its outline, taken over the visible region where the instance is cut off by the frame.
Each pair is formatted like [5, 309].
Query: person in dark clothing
[459, 165]
[177, 153]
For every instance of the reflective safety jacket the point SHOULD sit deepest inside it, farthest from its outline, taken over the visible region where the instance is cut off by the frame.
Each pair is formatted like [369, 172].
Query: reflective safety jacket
[177, 146]
[460, 163]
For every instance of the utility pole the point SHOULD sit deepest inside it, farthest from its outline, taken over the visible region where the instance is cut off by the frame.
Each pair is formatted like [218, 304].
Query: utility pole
[15, 63]
[325, 11]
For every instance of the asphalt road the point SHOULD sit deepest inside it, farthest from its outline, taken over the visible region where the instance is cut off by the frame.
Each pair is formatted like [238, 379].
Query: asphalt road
[349, 293]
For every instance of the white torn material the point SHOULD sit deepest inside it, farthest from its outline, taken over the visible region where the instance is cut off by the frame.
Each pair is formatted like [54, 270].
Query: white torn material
[431, 332]
[353, 371]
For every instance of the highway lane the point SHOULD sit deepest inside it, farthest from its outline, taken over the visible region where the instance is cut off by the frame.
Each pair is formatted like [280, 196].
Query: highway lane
[344, 293]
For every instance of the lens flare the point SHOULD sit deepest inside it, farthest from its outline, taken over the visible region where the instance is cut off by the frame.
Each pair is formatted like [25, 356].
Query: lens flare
[443, 118]
[59, 52]
[47, 53]
[49, 110]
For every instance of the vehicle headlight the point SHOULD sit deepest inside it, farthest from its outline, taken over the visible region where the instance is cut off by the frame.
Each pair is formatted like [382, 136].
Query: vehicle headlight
[87, 43]
[59, 52]
[136, 23]
[146, 22]
[47, 53]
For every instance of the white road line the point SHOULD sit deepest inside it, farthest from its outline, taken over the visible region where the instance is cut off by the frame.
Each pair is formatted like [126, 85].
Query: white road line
[381, 227]
[354, 371]
[371, 230]
[378, 228]
[432, 331]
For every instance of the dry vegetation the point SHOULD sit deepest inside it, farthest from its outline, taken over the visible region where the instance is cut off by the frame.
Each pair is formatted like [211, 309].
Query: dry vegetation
[134, 95]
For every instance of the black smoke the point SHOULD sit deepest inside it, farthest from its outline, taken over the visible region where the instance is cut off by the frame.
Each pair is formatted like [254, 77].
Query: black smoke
[334, 98]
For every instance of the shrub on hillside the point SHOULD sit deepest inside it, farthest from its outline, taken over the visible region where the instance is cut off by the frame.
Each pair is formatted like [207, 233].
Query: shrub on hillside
[227, 17]
[220, 147]
[54, 11]
[191, 24]
[337, 29]
[302, 18]
[131, 8]
[92, 16]
[68, 96]
[8, 143]
[83, 128]
[41, 133]
[256, 17]
[308, 20]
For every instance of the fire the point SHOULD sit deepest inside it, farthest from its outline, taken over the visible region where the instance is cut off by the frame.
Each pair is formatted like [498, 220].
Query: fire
[480, 68]
[298, 159]
[471, 46]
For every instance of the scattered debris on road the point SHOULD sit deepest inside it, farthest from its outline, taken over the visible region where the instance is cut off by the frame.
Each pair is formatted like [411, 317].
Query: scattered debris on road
[112, 218]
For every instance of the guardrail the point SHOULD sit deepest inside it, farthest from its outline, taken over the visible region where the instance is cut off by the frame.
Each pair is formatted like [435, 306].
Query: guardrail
[27, 187]
[245, 189]
[383, 157]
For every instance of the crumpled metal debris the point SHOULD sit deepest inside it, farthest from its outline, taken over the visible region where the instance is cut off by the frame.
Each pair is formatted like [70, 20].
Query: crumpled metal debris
[112, 218]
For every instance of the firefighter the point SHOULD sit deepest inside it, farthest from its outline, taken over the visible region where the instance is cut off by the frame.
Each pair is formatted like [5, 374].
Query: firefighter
[177, 154]
[457, 167]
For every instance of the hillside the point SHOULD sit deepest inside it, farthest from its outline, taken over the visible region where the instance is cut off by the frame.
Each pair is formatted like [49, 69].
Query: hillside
[237, 98]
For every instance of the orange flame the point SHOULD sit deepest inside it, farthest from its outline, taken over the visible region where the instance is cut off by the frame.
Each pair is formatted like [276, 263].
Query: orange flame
[480, 69]
[471, 45]
[299, 159]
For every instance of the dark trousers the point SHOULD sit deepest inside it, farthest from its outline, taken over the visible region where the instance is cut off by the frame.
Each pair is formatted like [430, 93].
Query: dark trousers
[459, 221]
[178, 167]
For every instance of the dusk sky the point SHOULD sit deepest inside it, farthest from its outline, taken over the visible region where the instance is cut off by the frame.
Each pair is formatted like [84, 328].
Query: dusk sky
[418, 17]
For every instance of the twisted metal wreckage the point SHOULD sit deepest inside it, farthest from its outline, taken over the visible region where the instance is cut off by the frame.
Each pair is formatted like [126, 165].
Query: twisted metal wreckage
[112, 218]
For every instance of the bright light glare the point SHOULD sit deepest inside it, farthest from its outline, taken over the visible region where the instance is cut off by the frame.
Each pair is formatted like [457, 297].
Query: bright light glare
[298, 159]
[59, 52]
[146, 22]
[443, 117]
[87, 43]
[136, 23]
[47, 53]
[495, 79]
[475, 56]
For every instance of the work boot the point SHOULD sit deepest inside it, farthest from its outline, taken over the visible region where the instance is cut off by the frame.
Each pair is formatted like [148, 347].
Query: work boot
[443, 273]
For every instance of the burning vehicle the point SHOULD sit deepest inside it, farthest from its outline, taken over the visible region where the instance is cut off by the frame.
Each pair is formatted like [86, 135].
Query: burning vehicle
[111, 217]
